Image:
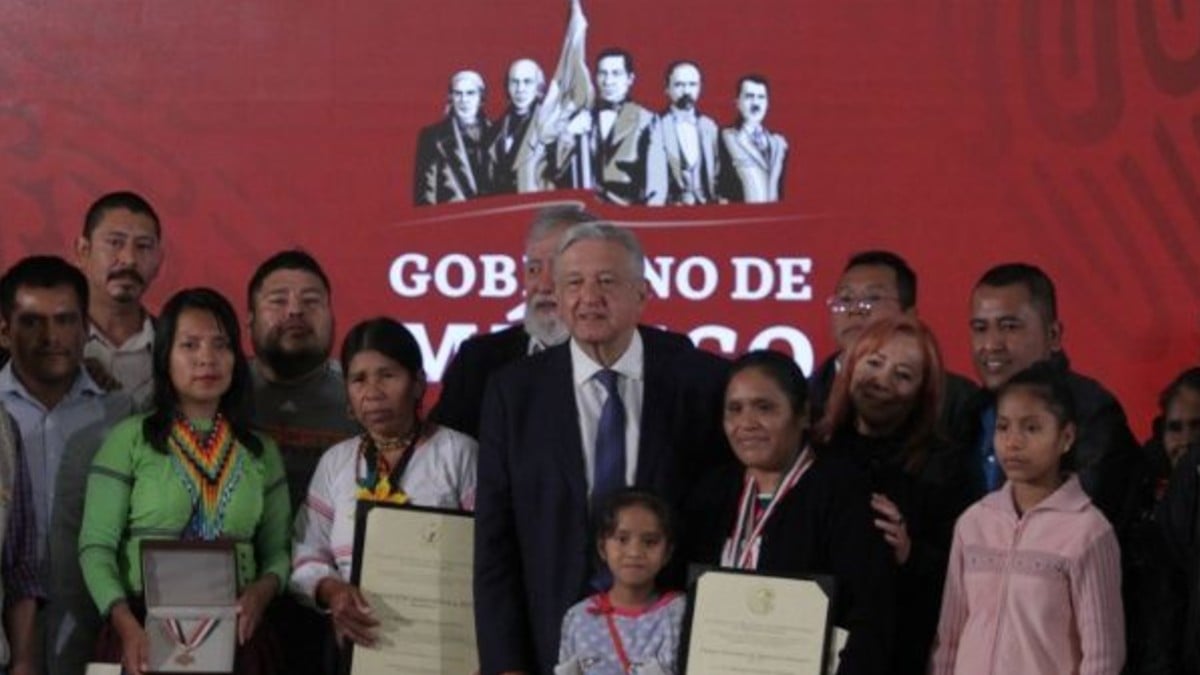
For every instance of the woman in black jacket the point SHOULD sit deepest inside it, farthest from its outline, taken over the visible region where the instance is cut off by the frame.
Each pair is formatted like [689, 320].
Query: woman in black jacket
[784, 509]
[882, 416]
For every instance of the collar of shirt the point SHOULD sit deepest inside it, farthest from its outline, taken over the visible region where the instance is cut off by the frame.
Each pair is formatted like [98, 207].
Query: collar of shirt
[143, 339]
[630, 365]
[10, 385]
[1068, 497]
[684, 116]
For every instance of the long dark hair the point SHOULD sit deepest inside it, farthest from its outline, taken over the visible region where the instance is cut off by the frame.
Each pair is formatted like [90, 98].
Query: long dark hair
[236, 404]
[390, 338]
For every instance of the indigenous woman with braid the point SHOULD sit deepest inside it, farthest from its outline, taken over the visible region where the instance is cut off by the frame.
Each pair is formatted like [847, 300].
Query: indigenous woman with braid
[400, 458]
[190, 470]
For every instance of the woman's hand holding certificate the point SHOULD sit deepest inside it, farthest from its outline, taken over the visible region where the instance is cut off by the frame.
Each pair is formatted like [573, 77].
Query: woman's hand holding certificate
[350, 612]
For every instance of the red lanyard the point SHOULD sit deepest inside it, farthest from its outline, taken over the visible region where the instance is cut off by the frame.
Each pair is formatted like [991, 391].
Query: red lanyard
[606, 608]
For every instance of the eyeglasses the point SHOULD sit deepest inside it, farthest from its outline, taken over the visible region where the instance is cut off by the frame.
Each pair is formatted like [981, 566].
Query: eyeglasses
[841, 304]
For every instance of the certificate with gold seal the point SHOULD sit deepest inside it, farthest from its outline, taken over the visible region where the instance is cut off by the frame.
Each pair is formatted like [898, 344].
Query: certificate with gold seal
[415, 568]
[741, 622]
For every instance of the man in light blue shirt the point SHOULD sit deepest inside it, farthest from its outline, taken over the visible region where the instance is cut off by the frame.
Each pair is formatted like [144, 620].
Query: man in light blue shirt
[62, 416]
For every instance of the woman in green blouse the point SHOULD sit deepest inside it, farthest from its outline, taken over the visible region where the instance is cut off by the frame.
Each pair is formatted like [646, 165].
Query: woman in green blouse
[190, 470]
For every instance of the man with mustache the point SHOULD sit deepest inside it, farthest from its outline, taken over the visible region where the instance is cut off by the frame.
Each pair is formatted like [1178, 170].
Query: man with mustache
[300, 400]
[61, 416]
[299, 393]
[752, 158]
[461, 399]
[689, 140]
[120, 252]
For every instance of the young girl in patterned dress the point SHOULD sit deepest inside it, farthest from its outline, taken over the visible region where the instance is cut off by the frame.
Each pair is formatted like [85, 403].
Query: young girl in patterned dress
[632, 627]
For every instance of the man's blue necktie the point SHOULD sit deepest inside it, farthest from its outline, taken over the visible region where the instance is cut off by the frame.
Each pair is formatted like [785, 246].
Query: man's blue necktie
[608, 474]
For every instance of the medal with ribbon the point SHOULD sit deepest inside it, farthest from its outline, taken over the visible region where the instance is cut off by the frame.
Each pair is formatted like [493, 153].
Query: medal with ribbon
[741, 550]
[173, 629]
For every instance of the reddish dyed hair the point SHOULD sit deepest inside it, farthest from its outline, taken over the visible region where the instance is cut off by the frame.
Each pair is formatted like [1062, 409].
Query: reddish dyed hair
[922, 422]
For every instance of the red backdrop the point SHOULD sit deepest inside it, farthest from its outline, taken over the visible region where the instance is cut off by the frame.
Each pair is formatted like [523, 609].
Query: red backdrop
[960, 134]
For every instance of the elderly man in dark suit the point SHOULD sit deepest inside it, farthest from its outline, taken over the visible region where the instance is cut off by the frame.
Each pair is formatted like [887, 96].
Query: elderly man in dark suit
[452, 154]
[616, 405]
[461, 399]
[689, 141]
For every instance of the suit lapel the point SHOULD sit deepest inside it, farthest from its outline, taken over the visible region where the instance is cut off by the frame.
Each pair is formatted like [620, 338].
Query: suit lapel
[462, 165]
[747, 145]
[657, 396]
[562, 415]
[671, 141]
[708, 142]
[625, 124]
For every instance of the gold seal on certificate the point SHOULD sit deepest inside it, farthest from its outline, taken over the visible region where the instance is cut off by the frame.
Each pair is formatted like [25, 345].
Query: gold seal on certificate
[415, 568]
[191, 605]
[758, 625]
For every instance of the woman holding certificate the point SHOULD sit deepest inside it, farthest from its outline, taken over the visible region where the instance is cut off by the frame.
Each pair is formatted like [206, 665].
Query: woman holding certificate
[882, 414]
[189, 471]
[400, 458]
[786, 510]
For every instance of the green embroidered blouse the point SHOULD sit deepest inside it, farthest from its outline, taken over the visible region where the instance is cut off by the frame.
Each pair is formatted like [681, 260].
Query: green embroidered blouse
[134, 493]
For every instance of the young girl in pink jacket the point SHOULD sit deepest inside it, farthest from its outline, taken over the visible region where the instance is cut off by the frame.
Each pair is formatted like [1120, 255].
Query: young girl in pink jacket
[1034, 582]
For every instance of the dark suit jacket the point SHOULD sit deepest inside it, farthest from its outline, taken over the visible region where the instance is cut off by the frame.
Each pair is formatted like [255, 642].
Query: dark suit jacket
[461, 400]
[532, 532]
[447, 168]
[822, 526]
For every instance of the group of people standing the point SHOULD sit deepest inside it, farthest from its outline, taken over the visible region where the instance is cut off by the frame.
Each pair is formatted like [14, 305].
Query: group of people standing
[1012, 527]
[628, 154]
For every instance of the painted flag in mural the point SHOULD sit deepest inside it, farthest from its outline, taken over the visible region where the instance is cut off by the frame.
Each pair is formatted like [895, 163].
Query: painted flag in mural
[571, 88]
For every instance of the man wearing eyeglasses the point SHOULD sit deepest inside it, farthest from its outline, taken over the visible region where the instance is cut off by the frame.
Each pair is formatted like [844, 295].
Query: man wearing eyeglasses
[875, 285]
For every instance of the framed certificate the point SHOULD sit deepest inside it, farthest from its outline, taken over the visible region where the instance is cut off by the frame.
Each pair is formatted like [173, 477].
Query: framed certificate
[191, 605]
[744, 622]
[415, 568]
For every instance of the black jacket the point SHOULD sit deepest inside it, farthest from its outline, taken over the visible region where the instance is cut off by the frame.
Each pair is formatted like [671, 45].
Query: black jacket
[1179, 518]
[461, 401]
[822, 526]
[931, 498]
[1106, 454]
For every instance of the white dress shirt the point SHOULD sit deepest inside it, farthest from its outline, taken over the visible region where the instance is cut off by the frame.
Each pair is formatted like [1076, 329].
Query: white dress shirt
[590, 396]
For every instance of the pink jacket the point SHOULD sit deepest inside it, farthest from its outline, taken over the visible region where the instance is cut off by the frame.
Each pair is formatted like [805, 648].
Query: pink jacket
[1039, 594]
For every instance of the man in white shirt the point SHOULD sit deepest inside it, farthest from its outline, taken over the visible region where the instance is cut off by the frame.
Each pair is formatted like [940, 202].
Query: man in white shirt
[618, 405]
[120, 252]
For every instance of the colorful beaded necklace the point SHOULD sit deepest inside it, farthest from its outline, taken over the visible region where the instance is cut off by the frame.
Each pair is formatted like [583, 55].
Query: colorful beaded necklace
[209, 466]
[381, 481]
